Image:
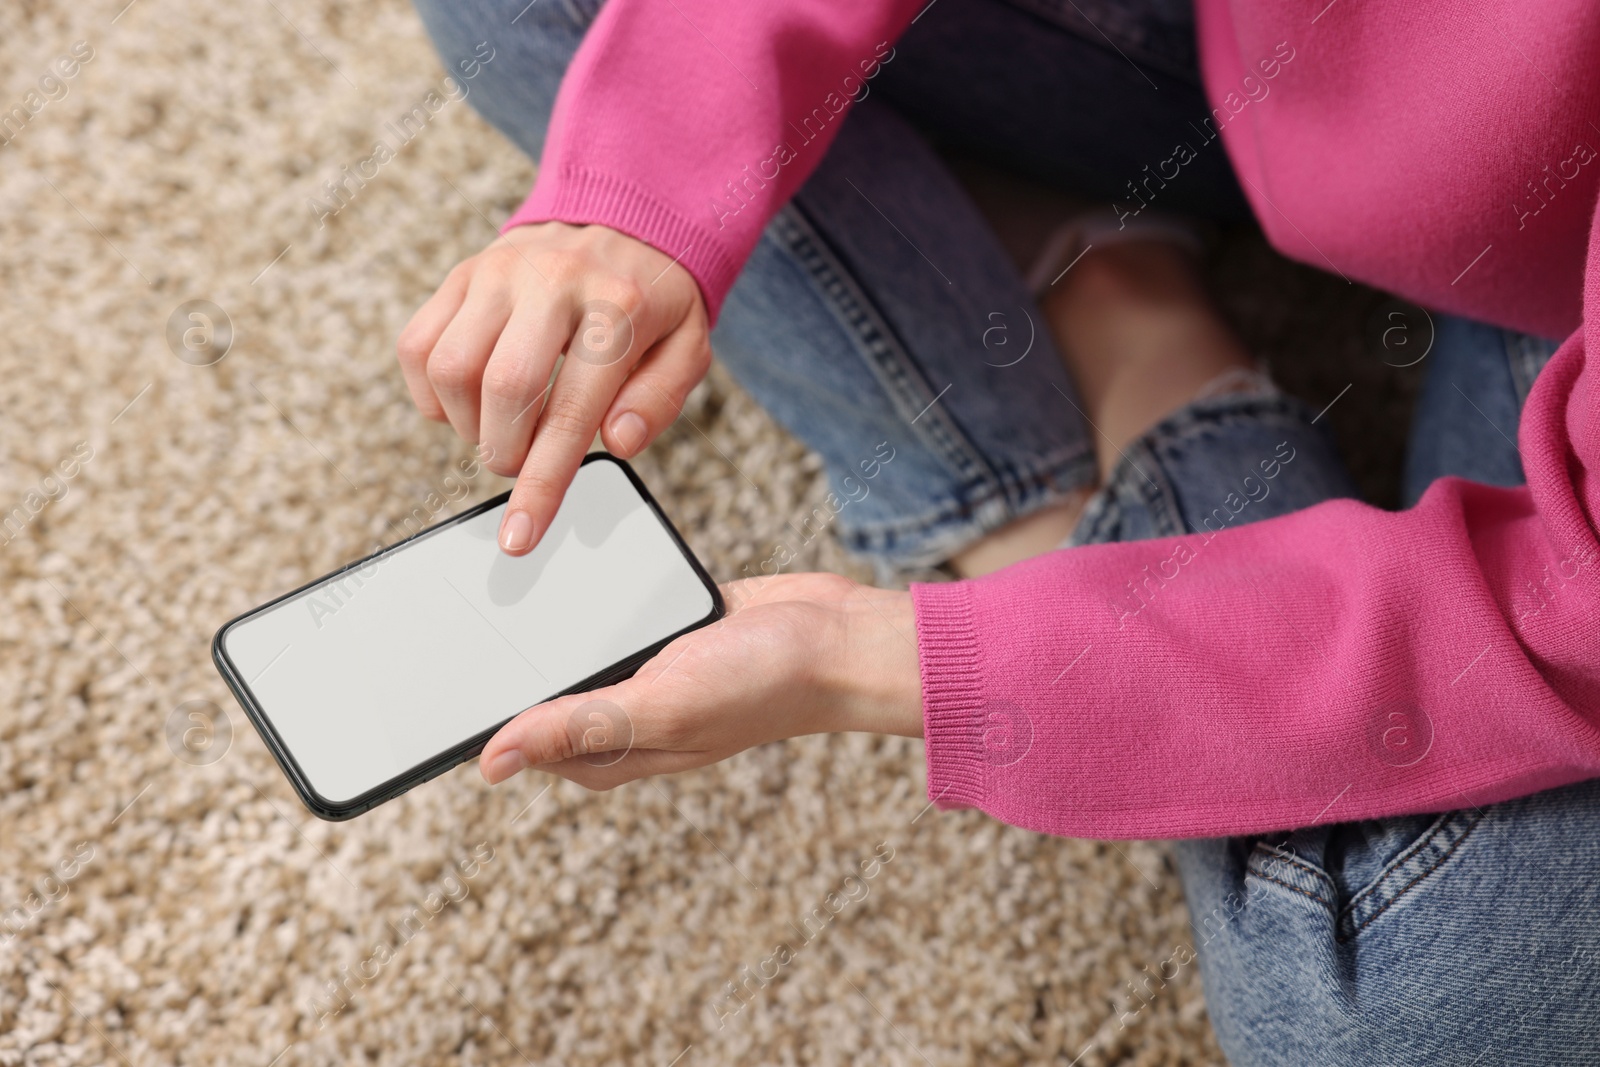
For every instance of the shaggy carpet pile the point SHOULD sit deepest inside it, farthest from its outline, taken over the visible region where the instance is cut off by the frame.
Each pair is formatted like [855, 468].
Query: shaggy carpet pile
[164, 899]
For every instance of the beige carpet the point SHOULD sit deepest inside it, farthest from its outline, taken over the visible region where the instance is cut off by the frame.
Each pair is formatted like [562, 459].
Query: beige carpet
[157, 912]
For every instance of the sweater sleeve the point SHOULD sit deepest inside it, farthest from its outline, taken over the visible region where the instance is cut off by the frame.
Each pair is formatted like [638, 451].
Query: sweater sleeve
[688, 123]
[1337, 664]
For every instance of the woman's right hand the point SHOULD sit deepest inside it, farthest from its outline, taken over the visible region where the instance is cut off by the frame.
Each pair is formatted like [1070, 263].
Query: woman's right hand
[480, 352]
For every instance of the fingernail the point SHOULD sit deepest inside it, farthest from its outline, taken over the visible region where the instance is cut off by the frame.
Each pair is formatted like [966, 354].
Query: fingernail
[516, 534]
[629, 430]
[503, 766]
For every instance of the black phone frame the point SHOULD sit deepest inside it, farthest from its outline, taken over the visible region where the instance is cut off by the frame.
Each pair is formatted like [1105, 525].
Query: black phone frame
[339, 811]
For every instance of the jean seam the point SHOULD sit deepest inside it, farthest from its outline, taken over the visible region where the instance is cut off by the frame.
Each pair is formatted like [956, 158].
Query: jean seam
[876, 341]
[1423, 839]
[1160, 502]
[1317, 874]
[1295, 861]
[1294, 888]
[1346, 914]
[982, 495]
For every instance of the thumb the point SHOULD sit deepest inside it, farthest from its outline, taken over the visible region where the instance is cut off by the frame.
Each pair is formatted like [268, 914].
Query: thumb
[653, 395]
[590, 726]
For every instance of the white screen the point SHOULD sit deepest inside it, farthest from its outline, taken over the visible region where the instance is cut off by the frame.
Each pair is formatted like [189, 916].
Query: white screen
[371, 675]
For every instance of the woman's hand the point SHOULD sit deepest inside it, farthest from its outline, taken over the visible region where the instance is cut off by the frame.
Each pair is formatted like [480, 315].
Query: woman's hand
[797, 654]
[480, 353]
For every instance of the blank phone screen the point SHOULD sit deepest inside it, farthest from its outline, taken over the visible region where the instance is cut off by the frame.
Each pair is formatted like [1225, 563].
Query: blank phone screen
[372, 673]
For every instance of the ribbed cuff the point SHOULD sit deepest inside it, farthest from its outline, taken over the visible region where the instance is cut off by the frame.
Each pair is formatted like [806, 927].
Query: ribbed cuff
[952, 694]
[579, 196]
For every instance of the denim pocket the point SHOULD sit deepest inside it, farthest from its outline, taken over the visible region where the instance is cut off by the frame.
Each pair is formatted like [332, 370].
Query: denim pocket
[1407, 872]
[1283, 866]
[1359, 871]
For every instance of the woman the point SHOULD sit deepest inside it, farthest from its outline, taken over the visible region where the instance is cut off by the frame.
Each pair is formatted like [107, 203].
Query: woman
[1298, 699]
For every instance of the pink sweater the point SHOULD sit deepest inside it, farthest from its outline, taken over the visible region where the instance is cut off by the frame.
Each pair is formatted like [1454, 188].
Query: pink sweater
[1273, 675]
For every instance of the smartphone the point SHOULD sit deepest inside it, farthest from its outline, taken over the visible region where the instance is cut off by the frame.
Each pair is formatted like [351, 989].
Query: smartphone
[398, 667]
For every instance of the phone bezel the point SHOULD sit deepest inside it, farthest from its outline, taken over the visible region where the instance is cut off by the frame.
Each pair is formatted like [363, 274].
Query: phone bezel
[338, 811]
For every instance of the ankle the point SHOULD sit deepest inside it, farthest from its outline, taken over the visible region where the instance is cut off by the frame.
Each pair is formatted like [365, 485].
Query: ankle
[1144, 274]
[1140, 337]
[1032, 535]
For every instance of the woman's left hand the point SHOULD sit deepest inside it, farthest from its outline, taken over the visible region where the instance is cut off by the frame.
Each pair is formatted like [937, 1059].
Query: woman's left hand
[796, 654]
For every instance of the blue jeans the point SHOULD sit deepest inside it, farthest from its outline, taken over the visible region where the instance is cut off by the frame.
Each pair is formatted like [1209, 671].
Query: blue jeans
[880, 309]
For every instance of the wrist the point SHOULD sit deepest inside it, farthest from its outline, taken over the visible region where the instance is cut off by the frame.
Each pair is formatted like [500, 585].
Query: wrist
[875, 677]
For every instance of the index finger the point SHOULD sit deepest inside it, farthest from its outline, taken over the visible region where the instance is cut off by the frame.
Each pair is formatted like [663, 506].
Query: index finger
[595, 367]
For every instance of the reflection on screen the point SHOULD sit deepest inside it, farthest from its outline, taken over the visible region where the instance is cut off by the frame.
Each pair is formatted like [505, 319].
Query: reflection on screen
[373, 674]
